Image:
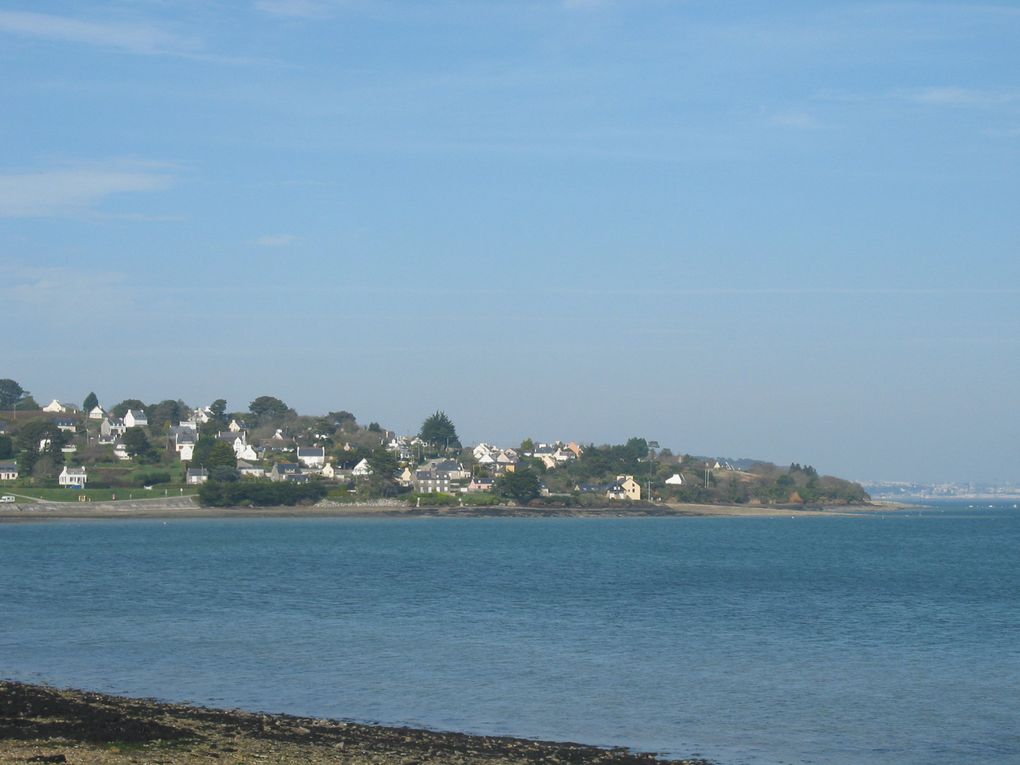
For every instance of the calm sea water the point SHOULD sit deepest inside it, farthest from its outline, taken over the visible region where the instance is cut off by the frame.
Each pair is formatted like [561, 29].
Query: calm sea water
[888, 639]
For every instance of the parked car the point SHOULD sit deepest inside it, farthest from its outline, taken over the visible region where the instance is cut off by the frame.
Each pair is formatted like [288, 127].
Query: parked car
[8, 498]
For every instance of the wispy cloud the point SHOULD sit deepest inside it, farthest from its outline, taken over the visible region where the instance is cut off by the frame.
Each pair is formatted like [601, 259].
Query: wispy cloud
[139, 38]
[795, 120]
[62, 296]
[275, 240]
[76, 190]
[963, 97]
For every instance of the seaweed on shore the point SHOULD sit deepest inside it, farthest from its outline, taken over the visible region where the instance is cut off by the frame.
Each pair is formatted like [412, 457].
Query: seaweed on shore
[33, 718]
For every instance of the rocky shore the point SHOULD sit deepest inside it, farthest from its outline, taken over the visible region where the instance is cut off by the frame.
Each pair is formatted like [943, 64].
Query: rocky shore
[40, 724]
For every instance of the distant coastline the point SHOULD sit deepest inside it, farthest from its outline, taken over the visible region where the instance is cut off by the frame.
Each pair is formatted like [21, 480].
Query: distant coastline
[186, 508]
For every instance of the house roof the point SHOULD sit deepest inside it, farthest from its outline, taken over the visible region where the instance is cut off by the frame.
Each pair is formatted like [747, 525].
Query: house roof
[311, 451]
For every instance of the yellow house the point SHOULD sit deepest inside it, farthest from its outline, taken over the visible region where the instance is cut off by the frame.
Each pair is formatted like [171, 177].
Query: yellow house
[625, 488]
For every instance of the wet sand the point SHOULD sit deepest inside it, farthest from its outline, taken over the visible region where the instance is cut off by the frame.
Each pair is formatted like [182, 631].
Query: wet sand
[41, 724]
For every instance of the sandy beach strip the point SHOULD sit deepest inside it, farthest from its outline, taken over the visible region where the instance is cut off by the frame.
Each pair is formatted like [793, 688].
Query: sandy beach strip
[186, 507]
[42, 724]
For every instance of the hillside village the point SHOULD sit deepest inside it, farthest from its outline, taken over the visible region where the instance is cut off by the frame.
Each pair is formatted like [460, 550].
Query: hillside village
[234, 457]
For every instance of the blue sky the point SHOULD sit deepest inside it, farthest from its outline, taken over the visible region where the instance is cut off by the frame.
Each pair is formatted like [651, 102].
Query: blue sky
[782, 230]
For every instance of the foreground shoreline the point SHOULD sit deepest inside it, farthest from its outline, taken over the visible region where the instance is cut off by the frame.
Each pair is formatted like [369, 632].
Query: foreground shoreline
[187, 508]
[43, 724]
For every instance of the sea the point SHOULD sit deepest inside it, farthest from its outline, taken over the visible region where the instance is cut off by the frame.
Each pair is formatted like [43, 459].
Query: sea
[888, 638]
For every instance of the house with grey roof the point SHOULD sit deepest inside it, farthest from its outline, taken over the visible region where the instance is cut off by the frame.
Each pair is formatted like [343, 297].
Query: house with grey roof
[135, 418]
[73, 477]
[311, 456]
[196, 476]
[282, 471]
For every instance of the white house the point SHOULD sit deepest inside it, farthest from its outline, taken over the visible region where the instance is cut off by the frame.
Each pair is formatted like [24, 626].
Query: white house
[197, 475]
[238, 441]
[362, 469]
[311, 456]
[675, 480]
[120, 452]
[112, 427]
[184, 437]
[96, 413]
[332, 472]
[65, 424]
[75, 477]
[54, 406]
[248, 470]
[8, 471]
[234, 427]
[135, 419]
[483, 450]
[186, 453]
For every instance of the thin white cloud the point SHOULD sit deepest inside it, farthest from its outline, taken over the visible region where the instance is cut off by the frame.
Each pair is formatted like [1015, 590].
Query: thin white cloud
[795, 120]
[275, 240]
[963, 97]
[77, 190]
[146, 39]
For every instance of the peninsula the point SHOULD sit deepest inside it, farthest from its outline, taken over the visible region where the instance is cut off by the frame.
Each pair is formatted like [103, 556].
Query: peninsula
[271, 456]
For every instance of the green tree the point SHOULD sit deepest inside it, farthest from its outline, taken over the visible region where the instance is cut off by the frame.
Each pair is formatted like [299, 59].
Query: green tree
[528, 445]
[91, 402]
[28, 404]
[212, 452]
[521, 486]
[10, 393]
[163, 414]
[129, 403]
[6, 447]
[382, 482]
[267, 409]
[218, 411]
[28, 443]
[224, 473]
[439, 432]
[136, 443]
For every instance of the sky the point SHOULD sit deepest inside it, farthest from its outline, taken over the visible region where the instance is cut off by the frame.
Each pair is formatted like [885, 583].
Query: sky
[787, 230]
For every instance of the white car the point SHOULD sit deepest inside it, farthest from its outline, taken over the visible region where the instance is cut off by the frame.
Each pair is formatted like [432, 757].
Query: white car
[8, 498]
